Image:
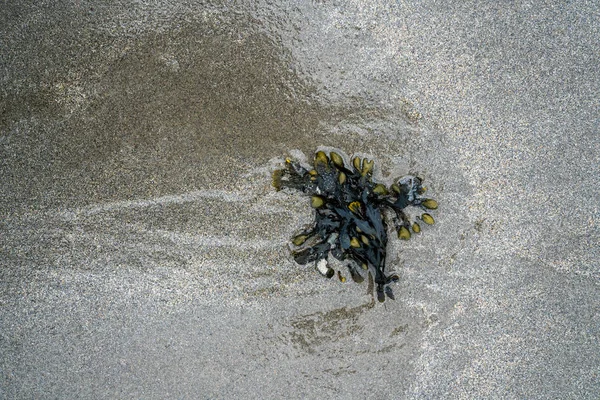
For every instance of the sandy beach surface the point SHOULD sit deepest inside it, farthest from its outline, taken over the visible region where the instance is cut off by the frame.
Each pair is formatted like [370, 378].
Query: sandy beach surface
[144, 253]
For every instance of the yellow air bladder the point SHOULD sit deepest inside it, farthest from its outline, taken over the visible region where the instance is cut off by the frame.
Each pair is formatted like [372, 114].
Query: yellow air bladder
[354, 207]
[416, 228]
[367, 167]
[403, 233]
[430, 204]
[299, 240]
[428, 219]
[321, 158]
[316, 201]
[336, 159]
[356, 161]
[380, 190]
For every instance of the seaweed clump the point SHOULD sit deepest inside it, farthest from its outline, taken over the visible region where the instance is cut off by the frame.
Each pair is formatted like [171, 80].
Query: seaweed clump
[349, 219]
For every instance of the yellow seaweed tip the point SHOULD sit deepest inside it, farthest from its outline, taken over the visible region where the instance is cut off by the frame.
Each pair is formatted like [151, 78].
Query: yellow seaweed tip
[367, 166]
[428, 219]
[276, 182]
[354, 242]
[299, 240]
[354, 207]
[341, 277]
[316, 201]
[380, 190]
[403, 233]
[342, 178]
[321, 158]
[430, 204]
[356, 161]
[336, 159]
[416, 228]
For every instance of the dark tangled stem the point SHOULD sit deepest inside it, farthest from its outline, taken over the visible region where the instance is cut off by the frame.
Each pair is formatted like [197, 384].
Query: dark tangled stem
[349, 222]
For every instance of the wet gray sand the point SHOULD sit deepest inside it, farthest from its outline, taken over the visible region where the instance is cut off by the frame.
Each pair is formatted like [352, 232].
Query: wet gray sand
[144, 253]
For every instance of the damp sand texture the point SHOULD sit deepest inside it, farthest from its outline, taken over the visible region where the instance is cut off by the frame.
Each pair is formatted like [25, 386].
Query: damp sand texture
[144, 253]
